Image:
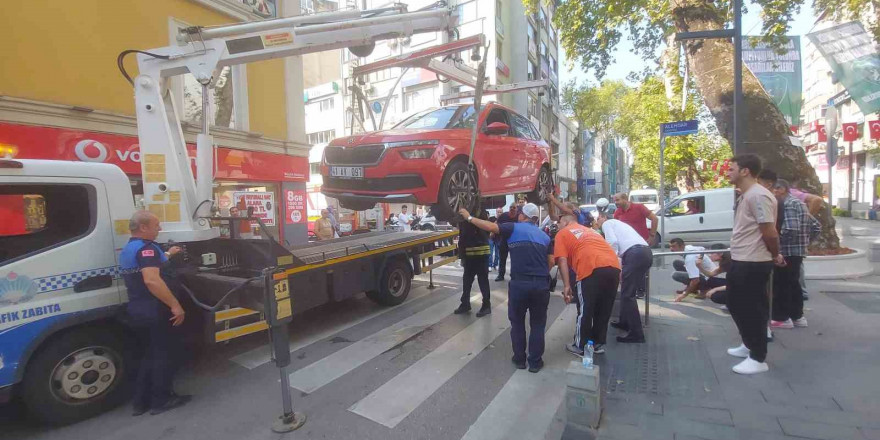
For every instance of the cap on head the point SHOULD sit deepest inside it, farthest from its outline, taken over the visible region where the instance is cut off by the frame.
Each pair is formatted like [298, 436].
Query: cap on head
[530, 210]
[602, 204]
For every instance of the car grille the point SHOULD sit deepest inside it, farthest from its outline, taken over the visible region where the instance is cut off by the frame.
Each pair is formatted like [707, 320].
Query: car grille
[390, 183]
[359, 155]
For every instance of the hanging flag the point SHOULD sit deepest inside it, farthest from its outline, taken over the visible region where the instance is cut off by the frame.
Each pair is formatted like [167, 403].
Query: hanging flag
[850, 132]
[823, 137]
[874, 128]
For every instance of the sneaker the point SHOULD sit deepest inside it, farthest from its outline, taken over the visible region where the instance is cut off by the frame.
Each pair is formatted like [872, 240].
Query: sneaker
[485, 310]
[599, 349]
[800, 322]
[537, 367]
[782, 324]
[462, 309]
[573, 349]
[724, 308]
[750, 366]
[520, 365]
[491, 268]
[741, 352]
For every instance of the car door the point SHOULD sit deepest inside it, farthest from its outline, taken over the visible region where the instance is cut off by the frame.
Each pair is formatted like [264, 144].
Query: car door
[498, 156]
[688, 226]
[719, 215]
[529, 150]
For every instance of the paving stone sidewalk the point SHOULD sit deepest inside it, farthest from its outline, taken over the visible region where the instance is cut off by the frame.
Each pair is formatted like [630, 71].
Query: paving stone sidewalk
[822, 384]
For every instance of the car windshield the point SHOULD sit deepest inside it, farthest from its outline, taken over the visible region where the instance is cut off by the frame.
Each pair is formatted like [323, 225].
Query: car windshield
[643, 198]
[460, 116]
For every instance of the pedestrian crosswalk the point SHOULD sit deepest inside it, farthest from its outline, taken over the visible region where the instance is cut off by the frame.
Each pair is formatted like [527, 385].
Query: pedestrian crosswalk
[521, 406]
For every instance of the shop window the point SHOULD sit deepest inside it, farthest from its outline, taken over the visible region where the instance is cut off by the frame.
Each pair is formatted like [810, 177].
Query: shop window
[37, 218]
[263, 197]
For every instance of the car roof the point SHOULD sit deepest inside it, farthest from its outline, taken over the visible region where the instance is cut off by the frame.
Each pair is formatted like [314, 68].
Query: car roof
[705, 192]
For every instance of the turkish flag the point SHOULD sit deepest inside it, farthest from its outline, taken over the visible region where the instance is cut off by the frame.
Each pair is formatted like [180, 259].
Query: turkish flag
[850, 132]
[823, 137]
[874, 127]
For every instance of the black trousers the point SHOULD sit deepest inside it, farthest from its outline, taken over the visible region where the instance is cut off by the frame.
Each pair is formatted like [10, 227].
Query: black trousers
[749, 305]
[475, 267]
[596, 298]
[503, 250]
[637, 261]
[162, 351]
[788, 298]
[532, 295]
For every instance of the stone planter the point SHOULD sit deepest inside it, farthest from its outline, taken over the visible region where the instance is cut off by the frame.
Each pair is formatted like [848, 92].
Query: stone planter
[832, 267]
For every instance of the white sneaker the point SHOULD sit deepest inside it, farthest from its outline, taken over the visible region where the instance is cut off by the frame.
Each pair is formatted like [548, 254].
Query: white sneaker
[802, 322]
[750, 366]
[741, 352]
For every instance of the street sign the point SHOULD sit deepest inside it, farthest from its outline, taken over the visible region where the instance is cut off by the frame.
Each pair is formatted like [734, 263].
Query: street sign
[680, 128]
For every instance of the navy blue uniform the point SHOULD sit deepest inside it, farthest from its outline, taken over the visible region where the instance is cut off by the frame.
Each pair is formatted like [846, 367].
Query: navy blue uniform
[150, 319]
[505, 218]
[529, 289]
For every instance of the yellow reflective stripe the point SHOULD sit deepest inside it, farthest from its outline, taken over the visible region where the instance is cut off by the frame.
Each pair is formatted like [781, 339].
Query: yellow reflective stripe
[247, 329]
[236, 312]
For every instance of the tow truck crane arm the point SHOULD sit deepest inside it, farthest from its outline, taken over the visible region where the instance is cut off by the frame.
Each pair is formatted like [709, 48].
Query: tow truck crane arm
[170, 189]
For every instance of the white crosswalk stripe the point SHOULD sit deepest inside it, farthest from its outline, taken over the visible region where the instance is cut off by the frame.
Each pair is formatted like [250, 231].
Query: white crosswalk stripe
[397, 398]
[525, 406]
[336, 365]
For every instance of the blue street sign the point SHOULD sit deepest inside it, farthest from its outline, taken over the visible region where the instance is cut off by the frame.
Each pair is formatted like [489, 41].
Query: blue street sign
[680, 128]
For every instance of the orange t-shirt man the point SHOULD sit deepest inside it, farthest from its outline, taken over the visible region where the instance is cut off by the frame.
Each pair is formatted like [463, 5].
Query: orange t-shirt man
[584, 249]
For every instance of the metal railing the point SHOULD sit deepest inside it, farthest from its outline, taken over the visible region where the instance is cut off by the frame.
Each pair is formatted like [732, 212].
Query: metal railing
[667, 254]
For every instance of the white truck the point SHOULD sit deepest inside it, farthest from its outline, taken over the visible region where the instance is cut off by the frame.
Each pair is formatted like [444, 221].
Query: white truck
[64, 348]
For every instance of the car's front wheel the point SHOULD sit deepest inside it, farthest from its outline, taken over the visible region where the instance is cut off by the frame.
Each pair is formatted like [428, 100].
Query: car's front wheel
[458, 189]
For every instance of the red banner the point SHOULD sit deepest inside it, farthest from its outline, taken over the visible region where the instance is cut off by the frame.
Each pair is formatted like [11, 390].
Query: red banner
[35, 142]
[874, 127]
[823, 137]
[850, 132]
[295, 206]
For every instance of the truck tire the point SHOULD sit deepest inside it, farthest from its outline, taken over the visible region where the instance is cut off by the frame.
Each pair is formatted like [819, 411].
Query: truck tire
[394, 284]
[77, 375]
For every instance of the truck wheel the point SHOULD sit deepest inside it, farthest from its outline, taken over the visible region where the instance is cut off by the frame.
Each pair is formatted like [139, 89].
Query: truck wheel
[543, 187]
[394, 284]
[457, 190]
[77, 375]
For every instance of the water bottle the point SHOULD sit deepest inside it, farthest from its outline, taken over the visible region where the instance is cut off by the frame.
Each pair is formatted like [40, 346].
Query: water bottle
[588, 355]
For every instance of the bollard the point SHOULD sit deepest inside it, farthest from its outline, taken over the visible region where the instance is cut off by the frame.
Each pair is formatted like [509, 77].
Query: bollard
[583, 397]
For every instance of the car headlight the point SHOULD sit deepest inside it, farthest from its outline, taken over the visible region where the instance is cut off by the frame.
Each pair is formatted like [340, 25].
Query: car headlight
[421, 153]
[410, 144]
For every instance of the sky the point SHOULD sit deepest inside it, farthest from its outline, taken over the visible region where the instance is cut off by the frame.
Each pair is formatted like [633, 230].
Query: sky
[625, 59]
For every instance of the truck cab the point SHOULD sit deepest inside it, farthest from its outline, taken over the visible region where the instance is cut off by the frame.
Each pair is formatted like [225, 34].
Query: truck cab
[59, 248]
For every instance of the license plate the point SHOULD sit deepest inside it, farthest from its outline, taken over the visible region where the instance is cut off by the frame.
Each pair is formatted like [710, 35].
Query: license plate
[350, 172]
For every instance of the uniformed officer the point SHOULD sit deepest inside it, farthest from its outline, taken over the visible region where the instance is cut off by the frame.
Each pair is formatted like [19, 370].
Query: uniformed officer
[529, 288]
[473, 249]
[154, 313]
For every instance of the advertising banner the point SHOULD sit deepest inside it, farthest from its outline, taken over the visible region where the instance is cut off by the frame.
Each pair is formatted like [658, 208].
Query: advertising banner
[779, 74]
[295, 210]
[854, 61]
[262, 202]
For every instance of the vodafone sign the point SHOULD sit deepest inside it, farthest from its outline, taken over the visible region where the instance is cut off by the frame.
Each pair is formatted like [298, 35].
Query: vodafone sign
[36, 142]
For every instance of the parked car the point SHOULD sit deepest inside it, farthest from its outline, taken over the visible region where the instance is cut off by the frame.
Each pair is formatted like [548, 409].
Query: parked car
[424, 160]
[699, 217]
[592, 209]
[648, 197]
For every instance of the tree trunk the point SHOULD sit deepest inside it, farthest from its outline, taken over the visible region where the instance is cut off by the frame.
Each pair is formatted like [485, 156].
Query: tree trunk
[223, 97]
[764, 130]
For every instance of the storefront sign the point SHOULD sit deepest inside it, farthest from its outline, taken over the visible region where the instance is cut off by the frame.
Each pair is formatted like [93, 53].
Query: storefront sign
[262, 202]
[295, 210]
[34, 142]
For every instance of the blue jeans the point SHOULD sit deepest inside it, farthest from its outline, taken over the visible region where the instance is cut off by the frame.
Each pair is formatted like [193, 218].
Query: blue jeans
[532, 295]
[493, 254]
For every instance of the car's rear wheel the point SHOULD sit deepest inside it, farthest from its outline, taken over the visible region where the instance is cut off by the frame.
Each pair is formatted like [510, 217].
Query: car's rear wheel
[458, 189]
[356, 205]
[543, 187]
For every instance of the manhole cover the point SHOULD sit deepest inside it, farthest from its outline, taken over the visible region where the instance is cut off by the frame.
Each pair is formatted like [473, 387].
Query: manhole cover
[861, 302]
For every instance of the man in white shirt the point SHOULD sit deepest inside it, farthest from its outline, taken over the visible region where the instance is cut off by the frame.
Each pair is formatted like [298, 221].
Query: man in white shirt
[635, 257]
[404, 219]
[686, 270]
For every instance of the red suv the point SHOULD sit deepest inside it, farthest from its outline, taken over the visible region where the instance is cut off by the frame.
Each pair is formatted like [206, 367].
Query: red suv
[424, 160]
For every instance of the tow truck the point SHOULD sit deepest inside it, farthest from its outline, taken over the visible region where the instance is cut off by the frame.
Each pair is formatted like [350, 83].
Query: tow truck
[63, 349]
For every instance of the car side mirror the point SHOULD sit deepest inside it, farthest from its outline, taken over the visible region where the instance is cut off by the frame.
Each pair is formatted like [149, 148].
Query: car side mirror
[497, 128]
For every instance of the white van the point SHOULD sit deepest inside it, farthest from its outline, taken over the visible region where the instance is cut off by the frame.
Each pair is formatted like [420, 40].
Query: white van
[648, 197]
[699, 217]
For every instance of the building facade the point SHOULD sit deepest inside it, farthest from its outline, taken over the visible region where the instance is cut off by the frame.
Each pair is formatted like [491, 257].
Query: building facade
[70, 103]
[860, 157]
